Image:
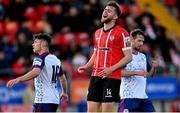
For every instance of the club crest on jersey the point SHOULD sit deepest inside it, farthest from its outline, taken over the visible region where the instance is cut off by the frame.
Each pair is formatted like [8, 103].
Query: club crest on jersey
[111, 37]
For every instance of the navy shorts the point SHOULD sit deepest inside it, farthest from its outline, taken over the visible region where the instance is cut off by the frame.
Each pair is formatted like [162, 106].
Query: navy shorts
[45, 107]
[136, 105]
[103, 90]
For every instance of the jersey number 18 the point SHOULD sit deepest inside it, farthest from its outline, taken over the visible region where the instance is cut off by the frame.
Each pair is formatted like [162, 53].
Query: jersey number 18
[55, 73]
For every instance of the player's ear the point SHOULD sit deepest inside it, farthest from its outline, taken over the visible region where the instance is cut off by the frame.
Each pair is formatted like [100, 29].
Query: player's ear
[44, 43]
[131, 38]
[115, 17]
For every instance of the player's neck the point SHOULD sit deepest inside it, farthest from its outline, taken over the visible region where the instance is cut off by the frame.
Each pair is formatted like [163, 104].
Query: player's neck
[135, 52]
[43, 51]
[109, 25]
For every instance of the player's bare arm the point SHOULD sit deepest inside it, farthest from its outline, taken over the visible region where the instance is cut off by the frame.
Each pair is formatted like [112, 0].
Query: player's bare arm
[133, 73]
[125, 60]
[89, 64]
[142, 73]
[28, 76]
[63, 80]
[154, 64]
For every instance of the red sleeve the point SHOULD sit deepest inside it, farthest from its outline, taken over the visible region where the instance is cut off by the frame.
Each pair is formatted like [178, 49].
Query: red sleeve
[125, 40]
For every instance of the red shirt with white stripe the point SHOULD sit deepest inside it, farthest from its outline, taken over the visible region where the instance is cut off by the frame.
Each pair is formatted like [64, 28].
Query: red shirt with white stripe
[109, 46]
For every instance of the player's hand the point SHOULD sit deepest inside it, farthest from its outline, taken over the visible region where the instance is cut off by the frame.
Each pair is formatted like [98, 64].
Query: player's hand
[12, 82]
[81, 69]
[154, 63]
[142, 73]
[64, 97]
[104, 73]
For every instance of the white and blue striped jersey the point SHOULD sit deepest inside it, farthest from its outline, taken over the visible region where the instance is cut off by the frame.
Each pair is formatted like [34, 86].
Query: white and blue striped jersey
[135, 86]
[46, 83]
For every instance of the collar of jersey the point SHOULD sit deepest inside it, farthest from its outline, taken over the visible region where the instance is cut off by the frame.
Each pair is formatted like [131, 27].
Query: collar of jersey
[44, 54]
[109, 28]
[135, 52]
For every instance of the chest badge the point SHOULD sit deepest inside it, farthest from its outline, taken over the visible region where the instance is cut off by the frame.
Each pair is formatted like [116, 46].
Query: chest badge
[111, 37]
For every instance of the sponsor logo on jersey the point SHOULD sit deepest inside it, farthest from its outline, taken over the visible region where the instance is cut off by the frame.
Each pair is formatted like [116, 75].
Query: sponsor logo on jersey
[104, 49]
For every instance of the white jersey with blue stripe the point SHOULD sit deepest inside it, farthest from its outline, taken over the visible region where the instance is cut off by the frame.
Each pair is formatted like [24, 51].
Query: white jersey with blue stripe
[135, 86]
[46, 83]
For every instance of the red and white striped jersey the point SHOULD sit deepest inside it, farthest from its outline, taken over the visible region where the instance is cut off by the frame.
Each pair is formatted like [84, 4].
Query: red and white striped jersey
[109, 46]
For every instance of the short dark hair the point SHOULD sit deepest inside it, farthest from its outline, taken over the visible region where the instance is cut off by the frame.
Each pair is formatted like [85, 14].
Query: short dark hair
[136, 32]
[116, 6]
[43, 36]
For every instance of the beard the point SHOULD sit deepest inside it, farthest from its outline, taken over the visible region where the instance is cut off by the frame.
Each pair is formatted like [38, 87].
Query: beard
[36, 50]
[105, 20]
[137, 48]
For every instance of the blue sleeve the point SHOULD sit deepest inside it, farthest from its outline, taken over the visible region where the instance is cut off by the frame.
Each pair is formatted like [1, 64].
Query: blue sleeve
[60, 72]
[148, 66]
[147, 62]
[38, 62]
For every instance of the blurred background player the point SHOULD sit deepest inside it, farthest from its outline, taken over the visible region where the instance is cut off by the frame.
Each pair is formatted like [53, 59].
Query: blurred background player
[111, 52]
[133, 84]
[46, 71]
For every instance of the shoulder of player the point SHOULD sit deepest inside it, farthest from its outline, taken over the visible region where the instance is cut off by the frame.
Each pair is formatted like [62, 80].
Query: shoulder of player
[121, 29]
[142, 54]
[46, 56]
[98, 30]
[53, 58]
